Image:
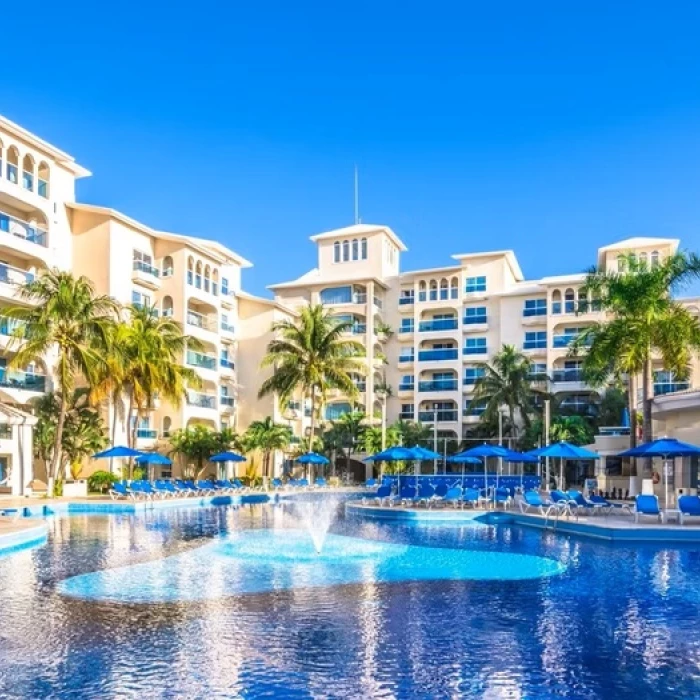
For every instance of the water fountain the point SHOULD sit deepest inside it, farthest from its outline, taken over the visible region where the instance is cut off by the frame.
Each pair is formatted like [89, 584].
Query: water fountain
[316, 516]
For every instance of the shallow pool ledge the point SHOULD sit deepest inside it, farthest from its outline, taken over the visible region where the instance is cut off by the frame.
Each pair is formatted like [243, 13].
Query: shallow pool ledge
[20, 534]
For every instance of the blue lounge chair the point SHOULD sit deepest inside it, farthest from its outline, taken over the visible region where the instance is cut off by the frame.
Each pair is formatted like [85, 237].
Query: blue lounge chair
[321, 482]
[533, 501]
[183, 488]
[371, 484]
[582, 503]
[120, 490]
[452, 497]
[383, 494]
[647, 505]
[501, 495]
[276, 483]
[471, 497]
[164, 488]
[610, 507]
[688, 507]
[563, 502]
[425, 493]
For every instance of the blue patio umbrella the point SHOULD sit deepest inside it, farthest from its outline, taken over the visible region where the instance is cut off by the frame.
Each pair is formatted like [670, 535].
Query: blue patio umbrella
[564, 450]
[312, 458]
[667, 449]
[227, 457]
[396, 454]
[462, 459]
[522, 457]
[484, 451]
[425, 454]
[149, 458]
[118, 451]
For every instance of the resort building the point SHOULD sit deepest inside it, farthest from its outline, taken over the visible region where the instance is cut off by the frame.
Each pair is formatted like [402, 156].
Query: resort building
[426, 332]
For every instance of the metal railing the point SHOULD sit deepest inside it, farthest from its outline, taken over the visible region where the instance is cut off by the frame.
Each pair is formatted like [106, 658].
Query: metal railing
[442, 415]
[404, 301]
[17, 379]
[439, 354]
[206, 323]
[141, 266]
[573, 374]
[23, 229]
[14, 275]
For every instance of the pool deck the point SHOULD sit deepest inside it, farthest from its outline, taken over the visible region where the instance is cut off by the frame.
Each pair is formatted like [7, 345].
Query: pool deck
[615, 528]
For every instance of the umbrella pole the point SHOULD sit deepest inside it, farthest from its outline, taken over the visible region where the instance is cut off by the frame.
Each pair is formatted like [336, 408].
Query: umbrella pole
[666, 483]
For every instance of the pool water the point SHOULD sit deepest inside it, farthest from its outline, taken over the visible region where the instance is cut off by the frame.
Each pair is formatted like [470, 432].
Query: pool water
[227, 602]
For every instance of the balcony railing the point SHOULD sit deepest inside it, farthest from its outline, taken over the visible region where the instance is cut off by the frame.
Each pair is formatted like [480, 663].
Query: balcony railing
[440, 324]
[146, 433]
[406, 301]
[406, 328]
[471, 379]
[23, 229]
[439, 354]
[475, 320]
[661, 388]
[226, 363]
[152, 310]
[201, 400]
[535, 344]
[361, 386]
[407, 358]
[407, 386]
[573, 374]
[359, 328]
[201, 321]
[563, 340]
[443, 416]
[476, 411]
[406, 415]
[537, 311]
[438, 385]
[227, 327]
[141, 266]
[226, 401]
[14, 275]
[475, 350]
[359, 298]
[198, 359]
[16, 379]
[377, 302]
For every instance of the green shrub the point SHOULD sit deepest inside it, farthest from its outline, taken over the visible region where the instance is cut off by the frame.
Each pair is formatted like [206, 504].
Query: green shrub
[100, 481]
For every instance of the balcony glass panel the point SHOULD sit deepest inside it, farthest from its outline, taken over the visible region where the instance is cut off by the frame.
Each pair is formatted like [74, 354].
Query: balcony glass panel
[359, 328]
[215, 289]
[22, 229]
[206, 284]
[377, 302]
[475, 349]
[441, 354]
[228, 364]
[440, 324]
[226, 400]
[16, 379]
[438, 385]
[406, 328]
[407, 357]
[145, 267]
[198, 281]
[571, 374]
[12, 173]
[475, 319]
[13, 275]
[43, 188]
[147, 433]
[200, 321]
[406, 415]
[422, 296]
[197, 359]
[201, 400]
[442, 416]
[407, 386]
[556, 307]
[403, 301]
[473, 411]
[563, 340]
[227, 327]
[190, 277]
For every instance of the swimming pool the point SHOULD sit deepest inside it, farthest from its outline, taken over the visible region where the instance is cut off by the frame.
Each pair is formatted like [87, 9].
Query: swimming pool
[227, 602]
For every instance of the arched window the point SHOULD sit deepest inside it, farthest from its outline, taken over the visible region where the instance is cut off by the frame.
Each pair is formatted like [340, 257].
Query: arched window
[556, 302]
[198, 275]
[28, 172]
[336, 251]
[43, 176]
[167, 426]
[167, 307]
[13, 164]
[422, 295]
[622, 263]
[355, 249]
[168, 267]
[207, 278]
[454, 288]
[569, 304]
[190, 270]
[363, 246]
[444, 290]
[643, 259]
[655, 258]
[433, 290]
[346, 251]
[582, 301]
[215, 282]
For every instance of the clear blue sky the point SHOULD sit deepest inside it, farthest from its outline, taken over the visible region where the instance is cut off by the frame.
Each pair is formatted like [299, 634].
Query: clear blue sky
[547, 127]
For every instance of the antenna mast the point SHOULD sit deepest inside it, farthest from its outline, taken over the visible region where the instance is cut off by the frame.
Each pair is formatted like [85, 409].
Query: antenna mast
[357, 197]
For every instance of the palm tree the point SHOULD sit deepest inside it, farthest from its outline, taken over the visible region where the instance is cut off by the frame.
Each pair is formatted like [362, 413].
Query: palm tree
[311, 356]
[268, 437]
[508, 382]
[145, 355]
[349, 428]
[195, 444]
[66, 315]
[645, 322]
[573, 429]
[372, 438]
[413, 433]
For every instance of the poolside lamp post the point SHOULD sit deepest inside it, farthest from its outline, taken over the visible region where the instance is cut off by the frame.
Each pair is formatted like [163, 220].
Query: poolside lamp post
[435, 435]
[546, 441]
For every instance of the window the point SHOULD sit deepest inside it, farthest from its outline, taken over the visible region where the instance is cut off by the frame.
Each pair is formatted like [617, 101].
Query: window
[643, 259]
[406, 382]
[535, 307]
[224, 286]
[363, 246]
[474, 315]
[475, 346]
[406, 355]
[655, 258]
[538, 370]
[167, 266]
[406, 296]
[556, 302]
[406, 325]
[336, 251]
[475, 284]
[355, 249]
[139, 299]
[407, 411]
[622, 263]
[569, 303]
[336, 295]
[535, 340]
[471, 374]
[346, 251]
[336, 410]
[144, 262]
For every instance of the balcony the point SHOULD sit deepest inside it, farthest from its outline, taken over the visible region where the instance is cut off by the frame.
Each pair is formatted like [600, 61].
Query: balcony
[438, 355]
[407, 386]
[406, 416]
[475, 350]
[438, 385]
[206, 323]
[573, 374]
[406, 301]
[201, 400]
[26, 381]
[443, 416]
[377, 302]
[407, 358]
[471, 412]
[535, 344]
[407, 328]
[480, 320]
[198, 359]
[227, 327]
[146, 434]
[564, 340]
[22, 229]
[439, 295]
[538, 311]
[661, 388]
[226, 363]
[145, 274]
[440, 324]
[14, 277]
[359, 329]
[226, 401]
[361, 386]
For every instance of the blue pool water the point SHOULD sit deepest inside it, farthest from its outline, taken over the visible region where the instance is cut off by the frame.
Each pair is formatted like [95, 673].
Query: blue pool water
[225, 603]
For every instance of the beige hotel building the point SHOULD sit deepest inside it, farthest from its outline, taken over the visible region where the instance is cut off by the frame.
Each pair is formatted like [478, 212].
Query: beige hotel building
[424, 331]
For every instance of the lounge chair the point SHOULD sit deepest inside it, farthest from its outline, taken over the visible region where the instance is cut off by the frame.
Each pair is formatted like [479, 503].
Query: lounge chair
[183, 488]
[582, 503]
[471, 496]
[383, 494]
[609, 507]
[647, 505]
[371, 484]
[563, 502]
[501, 495]
[452, 497]
[321, 483]
[688, 507]
[425, 493]
[276, 483]
[120, 490]
[164, 488]
[533, 501]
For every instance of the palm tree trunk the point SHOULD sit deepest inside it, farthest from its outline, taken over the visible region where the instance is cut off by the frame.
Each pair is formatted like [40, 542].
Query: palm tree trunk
[313, 426]
[115, 398]
[647, 429]
[57, 444]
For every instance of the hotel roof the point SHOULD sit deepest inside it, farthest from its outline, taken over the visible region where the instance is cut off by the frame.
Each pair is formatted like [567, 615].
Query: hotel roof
[360, 230]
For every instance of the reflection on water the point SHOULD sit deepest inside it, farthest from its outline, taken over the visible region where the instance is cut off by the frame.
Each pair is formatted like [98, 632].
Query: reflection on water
[618, 623]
